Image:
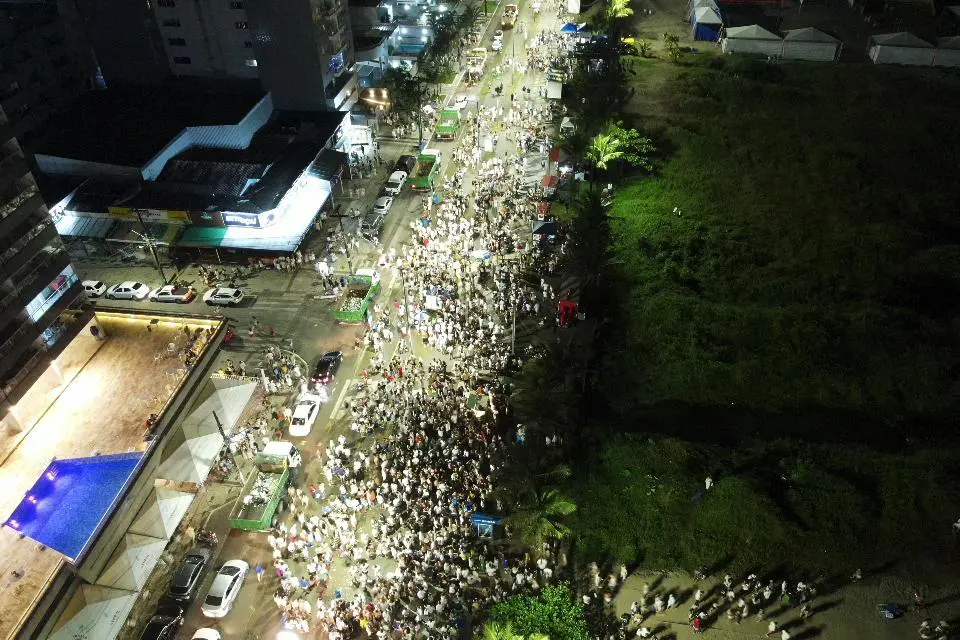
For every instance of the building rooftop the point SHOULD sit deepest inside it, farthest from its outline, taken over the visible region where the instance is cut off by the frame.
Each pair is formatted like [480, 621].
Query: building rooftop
[128, 126]
[93, 400]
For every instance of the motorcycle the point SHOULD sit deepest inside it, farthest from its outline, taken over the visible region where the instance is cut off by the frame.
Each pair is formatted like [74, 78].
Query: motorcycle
[207, 538]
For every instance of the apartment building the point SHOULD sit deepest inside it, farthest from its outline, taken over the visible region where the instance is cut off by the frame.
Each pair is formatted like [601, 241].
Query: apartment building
[44, 62]
[305, 52]
[207, 38]
[40, 293]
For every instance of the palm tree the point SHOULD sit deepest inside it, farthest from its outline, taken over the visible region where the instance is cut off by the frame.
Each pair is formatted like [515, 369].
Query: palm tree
[619, 9]
[603, 150]
[496, 631]
[539, 516]
[589, 254]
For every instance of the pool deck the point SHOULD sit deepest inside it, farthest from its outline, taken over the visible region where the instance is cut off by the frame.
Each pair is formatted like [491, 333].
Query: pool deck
[110, 390]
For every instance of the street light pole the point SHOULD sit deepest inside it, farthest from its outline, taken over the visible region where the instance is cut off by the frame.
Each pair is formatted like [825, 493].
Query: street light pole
[153, 250]
[346, 243]
[226, 440]
[406, 307]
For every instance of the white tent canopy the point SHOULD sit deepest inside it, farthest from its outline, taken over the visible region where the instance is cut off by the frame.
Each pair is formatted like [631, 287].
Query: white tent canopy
[227, 398]
[948, 52]
[707, 15]
[751, 39]
[132, 562]
[162, 513]
[192, 460]
[810, 44]
[94, 613]
[710, 4]
[900, 48]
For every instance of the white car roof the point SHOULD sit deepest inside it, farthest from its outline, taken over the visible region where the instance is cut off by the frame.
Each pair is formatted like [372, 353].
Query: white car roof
[382, 200]
[397, 176]
[303, 408]
[128, 283]
[206, 634]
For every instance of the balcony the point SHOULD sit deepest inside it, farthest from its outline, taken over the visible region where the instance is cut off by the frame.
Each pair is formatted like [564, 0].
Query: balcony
[16, 344]
[340, 89]
[12, 169]
[29, 246]
[17, 209]
[40, 272]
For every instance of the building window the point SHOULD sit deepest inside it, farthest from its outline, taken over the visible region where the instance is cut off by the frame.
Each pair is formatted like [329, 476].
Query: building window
[251, 62]
[236, 4]
[176, 42]
[181, 60]
[171, 22]
[241, 24]
[247, 44]
[169, 4]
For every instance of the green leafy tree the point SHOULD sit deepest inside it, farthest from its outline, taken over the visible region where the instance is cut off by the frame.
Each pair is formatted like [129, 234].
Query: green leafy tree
[553, 613]
[589, 255]
[635, 149]
[671, 46]
[643, 48]
[408, 93]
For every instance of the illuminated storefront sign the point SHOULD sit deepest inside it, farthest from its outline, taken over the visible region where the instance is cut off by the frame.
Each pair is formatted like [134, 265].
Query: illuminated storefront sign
[234, 219]
[149, 215]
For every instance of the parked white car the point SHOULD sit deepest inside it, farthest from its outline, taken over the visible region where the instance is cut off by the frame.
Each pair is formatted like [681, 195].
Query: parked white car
[128, 291]
[94, 288]
[305, 414]
[497, 43]
[173, 293]
[383, 204]
[223, 296]
[225, 588]
[206, 633]
[395, 182]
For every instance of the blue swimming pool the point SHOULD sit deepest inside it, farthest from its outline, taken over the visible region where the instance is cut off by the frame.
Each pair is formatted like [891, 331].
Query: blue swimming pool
[414, 49]
[67, 503]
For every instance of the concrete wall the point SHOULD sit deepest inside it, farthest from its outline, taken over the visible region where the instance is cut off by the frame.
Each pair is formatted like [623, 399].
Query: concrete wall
[211, 34]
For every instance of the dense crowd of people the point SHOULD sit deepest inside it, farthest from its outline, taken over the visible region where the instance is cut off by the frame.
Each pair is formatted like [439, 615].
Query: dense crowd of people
[385, 543]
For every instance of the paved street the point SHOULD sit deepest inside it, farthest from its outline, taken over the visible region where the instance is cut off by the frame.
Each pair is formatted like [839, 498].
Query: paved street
[295, 313]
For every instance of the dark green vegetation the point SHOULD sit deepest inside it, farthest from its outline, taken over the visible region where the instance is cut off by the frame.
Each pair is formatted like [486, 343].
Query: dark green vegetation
[552, 613]
[793, 331]
[815, 263]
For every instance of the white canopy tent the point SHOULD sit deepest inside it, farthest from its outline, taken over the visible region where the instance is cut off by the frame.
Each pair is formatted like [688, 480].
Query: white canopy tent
[94, 613]
[948, 52]
[226, 397]
[192, 460]
[132, 562]
[161, 514]
[900, 48]
[810, 44]
[751, 39]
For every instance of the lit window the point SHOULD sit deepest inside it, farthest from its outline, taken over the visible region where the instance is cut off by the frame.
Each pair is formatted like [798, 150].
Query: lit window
[53, 292]
[181, 60]
[251, 62]
[176, 42]
[241, 24]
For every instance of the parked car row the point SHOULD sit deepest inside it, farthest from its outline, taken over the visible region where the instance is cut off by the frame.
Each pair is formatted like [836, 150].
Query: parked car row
[181, 294]
[166, 622]
[372, 223]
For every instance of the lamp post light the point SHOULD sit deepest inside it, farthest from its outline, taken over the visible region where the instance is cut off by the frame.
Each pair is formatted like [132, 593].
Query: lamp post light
[153, 250]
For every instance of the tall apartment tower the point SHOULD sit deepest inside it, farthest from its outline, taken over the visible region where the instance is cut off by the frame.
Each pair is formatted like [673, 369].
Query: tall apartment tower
[45, 62]
[304, 52]
[40, 293]
[206, 38]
